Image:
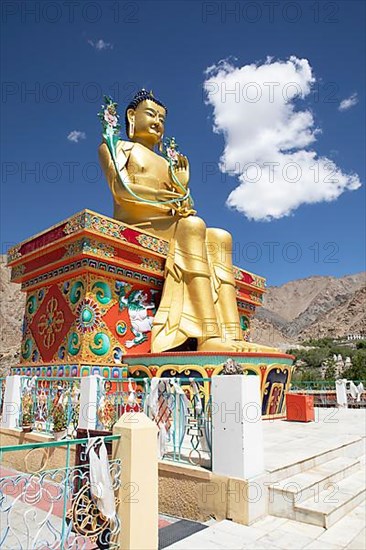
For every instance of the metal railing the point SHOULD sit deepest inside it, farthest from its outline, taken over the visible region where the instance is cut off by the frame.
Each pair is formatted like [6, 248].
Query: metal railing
[324, 393]
[182, 410]
[54, 508]
[50, 404]
[313, 385]
[318, 385]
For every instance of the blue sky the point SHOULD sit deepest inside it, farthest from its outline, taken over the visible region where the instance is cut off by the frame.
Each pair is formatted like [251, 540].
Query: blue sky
[167, 46]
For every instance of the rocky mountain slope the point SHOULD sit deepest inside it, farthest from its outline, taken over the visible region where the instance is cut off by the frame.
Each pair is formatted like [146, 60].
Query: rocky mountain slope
[11, 314]
[314, 307]
[306, 308]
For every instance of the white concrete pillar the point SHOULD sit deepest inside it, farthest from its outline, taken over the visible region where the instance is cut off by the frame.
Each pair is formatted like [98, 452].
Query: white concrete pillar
[88, 402]
[12, 402]
[237, 438]
[138, 493]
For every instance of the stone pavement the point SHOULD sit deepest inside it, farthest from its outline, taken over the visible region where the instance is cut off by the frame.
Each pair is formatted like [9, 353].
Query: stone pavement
[287, 443]
[272, 533]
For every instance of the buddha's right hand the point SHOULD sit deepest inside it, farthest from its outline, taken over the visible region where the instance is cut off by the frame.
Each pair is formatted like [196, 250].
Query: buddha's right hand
[181, 171]
[166, 195]
[185, 212]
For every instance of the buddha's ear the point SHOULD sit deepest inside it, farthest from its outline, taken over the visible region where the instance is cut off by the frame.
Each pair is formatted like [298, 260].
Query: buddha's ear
[131, 115]
[131, 123]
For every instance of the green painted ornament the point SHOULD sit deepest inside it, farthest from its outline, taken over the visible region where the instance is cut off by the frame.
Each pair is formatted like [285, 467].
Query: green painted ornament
[87, 315]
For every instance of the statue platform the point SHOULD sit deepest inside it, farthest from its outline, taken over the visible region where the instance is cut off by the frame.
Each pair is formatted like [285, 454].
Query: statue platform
[92, 287]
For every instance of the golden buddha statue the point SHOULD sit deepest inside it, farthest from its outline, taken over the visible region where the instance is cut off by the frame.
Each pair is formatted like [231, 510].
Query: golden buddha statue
[199, 297]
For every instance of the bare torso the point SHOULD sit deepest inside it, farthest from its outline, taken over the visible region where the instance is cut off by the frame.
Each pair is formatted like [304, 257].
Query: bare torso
[146, 173]
[147, 168]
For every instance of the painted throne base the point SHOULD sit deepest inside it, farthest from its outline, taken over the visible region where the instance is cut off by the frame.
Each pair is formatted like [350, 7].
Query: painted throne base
[274, 369]
[83, 279]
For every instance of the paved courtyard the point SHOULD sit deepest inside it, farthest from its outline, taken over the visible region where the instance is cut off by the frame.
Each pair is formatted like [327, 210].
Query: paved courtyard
[287, 444]
[278, 533]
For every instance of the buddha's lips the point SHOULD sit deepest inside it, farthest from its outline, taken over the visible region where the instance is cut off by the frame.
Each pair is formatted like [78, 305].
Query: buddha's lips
[155, 130]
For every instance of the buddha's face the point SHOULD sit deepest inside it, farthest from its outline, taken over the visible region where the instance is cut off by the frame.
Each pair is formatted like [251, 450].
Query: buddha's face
[149, 120]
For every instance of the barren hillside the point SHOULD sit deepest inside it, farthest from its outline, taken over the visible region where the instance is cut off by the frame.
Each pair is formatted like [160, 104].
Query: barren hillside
[11, 314]
[314, 307]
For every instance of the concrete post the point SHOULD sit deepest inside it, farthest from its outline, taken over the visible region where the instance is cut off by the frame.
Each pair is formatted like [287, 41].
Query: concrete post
[138, 508]
[237, 438]
[12, 402]
[88, 402]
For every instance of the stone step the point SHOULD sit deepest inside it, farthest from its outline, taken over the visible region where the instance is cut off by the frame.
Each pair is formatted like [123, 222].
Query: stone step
[353, 448]
[336, 500]
[299, 487]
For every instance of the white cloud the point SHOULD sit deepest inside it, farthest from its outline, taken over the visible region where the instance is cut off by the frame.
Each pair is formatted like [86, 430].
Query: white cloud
[349, 102]
[101, 44]
[268, 138]
[75, 136]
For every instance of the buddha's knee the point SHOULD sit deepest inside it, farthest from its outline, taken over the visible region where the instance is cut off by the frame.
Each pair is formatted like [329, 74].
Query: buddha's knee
[220, 237]
[219, 246]
[193, 225]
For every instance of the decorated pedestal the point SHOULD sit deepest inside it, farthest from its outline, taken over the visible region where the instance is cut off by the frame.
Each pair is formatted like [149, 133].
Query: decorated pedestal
[274, 370]
[93, 285]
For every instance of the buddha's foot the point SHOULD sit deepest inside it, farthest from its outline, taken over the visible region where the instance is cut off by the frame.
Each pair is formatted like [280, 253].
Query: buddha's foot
[238, 346]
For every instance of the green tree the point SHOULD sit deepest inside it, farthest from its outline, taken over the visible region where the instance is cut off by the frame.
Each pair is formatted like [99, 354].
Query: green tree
[361, 344]
[358, 369]
[330, 372]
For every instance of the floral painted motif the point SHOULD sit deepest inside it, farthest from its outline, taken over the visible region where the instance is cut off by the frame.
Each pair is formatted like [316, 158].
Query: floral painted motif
[259, 282]
[17, 271]
[258, 298]
[107, 227]
[91, 246]
[153, 243]
[76, 223]
[154, 265]
[237, 273]
[14, 253]
[99, 224]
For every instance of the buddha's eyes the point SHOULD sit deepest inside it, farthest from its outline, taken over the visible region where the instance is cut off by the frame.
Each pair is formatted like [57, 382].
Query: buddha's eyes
[153, 115]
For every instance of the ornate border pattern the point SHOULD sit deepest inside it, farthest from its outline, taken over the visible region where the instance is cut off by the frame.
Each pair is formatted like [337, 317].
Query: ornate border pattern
[94, 264]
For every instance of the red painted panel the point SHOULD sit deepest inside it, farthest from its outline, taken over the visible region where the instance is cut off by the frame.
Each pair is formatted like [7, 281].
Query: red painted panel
[43, 240]
[44, 260]
[51, 323]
